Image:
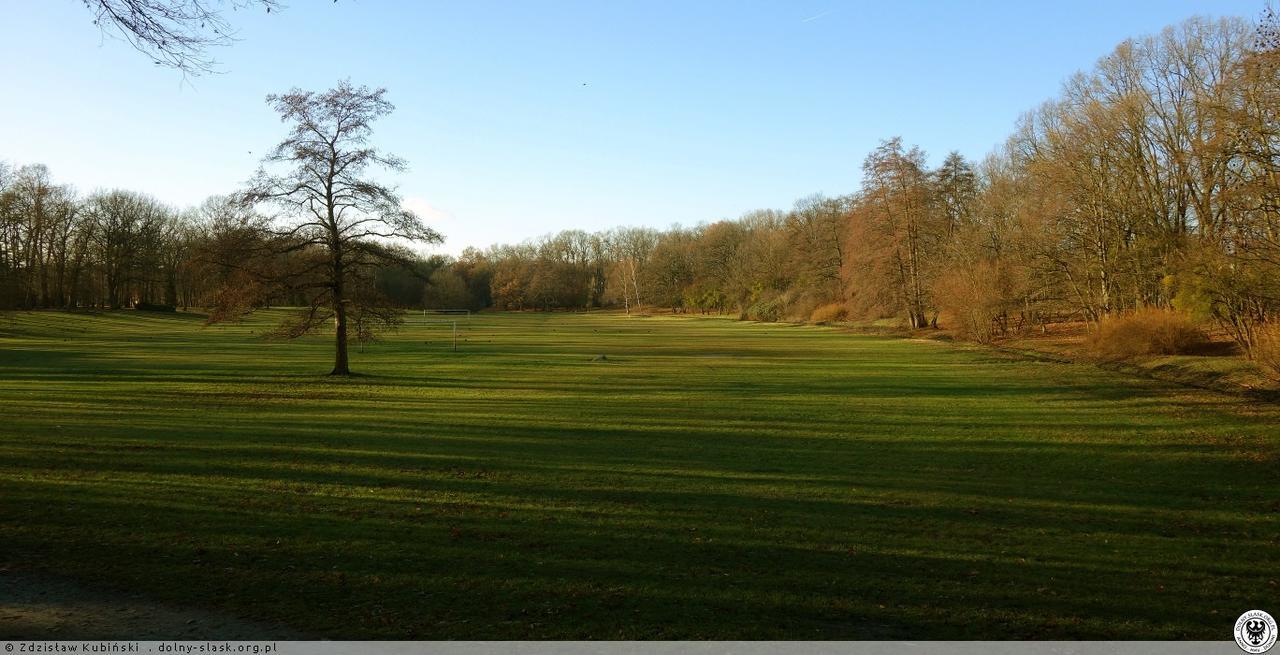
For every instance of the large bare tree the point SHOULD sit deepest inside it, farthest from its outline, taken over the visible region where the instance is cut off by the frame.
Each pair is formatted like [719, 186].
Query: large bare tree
[331, 217]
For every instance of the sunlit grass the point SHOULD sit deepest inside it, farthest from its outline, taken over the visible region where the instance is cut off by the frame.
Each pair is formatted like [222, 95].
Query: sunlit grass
[710, 479]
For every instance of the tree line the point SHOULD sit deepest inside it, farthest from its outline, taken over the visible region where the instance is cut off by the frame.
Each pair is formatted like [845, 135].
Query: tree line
[1150, 181]
[124, 249]
[107, 249]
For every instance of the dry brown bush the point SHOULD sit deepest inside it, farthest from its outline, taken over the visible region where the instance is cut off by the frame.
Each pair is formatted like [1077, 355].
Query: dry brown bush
[1266, 349]
[973, 296]
[1146, 331]
[829, 313]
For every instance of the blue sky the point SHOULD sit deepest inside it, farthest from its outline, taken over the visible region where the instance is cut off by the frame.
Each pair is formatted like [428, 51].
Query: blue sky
[692, 111]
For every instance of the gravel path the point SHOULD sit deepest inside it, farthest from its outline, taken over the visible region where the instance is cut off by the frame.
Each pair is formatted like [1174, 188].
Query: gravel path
[41, 607]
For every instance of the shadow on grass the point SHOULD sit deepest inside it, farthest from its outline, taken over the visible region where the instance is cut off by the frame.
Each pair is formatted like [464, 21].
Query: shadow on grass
[816, 486]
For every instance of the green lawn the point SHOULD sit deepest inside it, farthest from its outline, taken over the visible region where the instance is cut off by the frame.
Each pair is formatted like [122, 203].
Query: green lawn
[711, 479]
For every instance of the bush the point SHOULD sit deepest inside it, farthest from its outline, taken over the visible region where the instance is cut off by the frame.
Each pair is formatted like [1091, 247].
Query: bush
[1266, 349]
[829, 313]
[149, 307]
[1146, 331]
[798, 305]
[973, 296]
[768, 310]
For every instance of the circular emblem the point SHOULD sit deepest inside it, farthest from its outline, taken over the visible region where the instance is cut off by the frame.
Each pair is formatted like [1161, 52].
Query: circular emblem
[1255, 631]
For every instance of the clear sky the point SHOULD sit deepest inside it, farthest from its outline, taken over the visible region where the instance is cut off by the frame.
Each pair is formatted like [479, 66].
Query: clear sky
[691, 110]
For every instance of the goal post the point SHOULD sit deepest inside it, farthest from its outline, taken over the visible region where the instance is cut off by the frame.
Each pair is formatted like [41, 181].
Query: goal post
[463, 313]
[448, 317]
[453, 325]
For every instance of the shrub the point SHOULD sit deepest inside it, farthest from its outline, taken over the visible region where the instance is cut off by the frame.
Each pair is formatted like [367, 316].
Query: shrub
[829, 313]
[768, 310]
[973, 296]
[1190, 294]
[1146, 331]
[1266, 349]
[150, 307]
[799, 305]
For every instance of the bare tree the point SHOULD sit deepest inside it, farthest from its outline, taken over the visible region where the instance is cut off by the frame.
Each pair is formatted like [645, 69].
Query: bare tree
[1267, 32]
[337, 221]
[630, 248]
[123, 222]
[904, 231]
[816, 232]
[956, 186]
[173, 33]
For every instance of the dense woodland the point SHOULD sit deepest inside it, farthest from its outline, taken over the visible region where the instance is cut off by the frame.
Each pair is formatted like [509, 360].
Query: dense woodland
[1150, 181]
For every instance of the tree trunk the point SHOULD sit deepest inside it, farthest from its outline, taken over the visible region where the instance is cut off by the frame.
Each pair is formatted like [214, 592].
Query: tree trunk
[340, 365]
[171, 288]
[113, 292]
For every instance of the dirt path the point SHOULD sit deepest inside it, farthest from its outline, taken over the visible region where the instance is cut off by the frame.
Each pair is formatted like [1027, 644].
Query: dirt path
[38, 606]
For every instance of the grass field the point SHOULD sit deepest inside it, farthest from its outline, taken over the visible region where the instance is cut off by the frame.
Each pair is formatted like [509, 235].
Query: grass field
[711, 479]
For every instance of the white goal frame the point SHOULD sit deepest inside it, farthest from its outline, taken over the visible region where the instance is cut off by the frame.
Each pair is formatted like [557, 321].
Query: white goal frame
[443, 321]
[466, 313]
[452, 322]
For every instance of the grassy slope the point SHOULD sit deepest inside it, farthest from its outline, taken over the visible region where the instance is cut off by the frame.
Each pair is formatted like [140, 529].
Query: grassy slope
[711, 479]
[1218, 366]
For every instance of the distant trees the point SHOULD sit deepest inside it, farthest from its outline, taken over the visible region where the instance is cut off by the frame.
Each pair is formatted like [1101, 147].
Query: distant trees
[111, 249]
[1145, 174]
[335, 225]
[816, 232]
[1151, 181]
[672, 269]
[119, 249]
[626, 253]
[718, 267]
[38, 219]
[127, 230]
